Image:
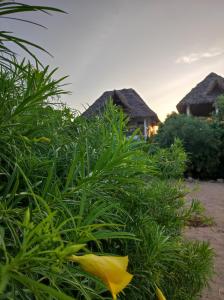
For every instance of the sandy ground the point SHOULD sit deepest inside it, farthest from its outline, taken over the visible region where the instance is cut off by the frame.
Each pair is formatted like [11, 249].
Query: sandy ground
[212, 197]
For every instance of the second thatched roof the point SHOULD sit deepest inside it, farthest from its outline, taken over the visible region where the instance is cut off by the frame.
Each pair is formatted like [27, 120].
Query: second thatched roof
[204, 94]
[133, 105]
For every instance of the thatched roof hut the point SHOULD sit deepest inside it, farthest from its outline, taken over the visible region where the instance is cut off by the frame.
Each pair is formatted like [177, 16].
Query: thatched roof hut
[141, 116]
[129, 100]
[201, 100]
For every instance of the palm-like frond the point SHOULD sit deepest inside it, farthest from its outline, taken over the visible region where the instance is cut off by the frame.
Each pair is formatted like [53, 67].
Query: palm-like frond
[9, 8]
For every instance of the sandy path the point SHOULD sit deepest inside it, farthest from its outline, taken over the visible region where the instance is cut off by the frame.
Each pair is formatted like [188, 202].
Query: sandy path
[212, 197]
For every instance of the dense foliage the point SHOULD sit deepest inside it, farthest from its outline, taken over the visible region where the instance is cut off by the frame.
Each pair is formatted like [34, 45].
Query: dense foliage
[218, 126]
[171, 162]
[220, 105]
[202, 139]
[69, 184]
[72, 186]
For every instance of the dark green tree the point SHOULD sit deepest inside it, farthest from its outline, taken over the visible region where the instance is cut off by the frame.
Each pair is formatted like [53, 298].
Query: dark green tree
[199, 139]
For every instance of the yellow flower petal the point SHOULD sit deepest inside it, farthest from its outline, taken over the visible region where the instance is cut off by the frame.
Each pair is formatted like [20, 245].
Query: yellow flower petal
[116, 288]
[110, 269]
[159, 294]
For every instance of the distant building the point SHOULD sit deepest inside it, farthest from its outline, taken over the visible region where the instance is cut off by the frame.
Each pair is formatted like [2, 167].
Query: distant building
[201, 100]
[140, 115]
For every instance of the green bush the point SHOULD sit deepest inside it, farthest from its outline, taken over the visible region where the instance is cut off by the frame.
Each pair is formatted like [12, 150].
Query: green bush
[220, 106]
[218, 126]
[170, 162]
[70, 185]
[70, 181]
[199, 140]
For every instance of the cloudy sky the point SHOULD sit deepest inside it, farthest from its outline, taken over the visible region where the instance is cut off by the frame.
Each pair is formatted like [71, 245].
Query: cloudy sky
[161, 48]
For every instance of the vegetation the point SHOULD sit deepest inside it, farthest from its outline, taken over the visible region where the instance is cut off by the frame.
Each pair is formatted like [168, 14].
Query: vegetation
[202, 140]
[218, 126]
[220, 106]
[170, 162]
[71, 186]
[7, 11]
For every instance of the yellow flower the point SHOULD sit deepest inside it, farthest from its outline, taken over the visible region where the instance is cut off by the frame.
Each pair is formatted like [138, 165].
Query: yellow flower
[159, 294]
[112, 270]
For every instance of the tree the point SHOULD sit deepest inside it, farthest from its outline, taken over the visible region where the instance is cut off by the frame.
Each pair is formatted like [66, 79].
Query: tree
[199, 139]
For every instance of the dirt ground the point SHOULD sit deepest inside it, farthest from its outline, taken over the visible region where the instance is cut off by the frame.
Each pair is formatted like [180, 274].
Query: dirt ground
[212, 196]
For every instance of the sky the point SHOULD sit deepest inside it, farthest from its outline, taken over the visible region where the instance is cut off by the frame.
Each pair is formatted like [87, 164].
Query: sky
[161, 48]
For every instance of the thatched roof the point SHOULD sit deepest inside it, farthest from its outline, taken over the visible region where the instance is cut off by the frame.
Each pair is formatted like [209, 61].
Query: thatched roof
[133, 105]
[202, 97]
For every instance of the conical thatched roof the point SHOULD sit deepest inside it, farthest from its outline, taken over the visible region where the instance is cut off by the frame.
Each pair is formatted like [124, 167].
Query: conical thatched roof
[201, 98]
[129, 100]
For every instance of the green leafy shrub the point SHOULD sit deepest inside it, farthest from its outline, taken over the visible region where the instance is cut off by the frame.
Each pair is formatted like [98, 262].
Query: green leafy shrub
[170, 162]
[70, 185]
[218, 127]
[84, 182]
[220, 106]
[159, 213]
[199, 140]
